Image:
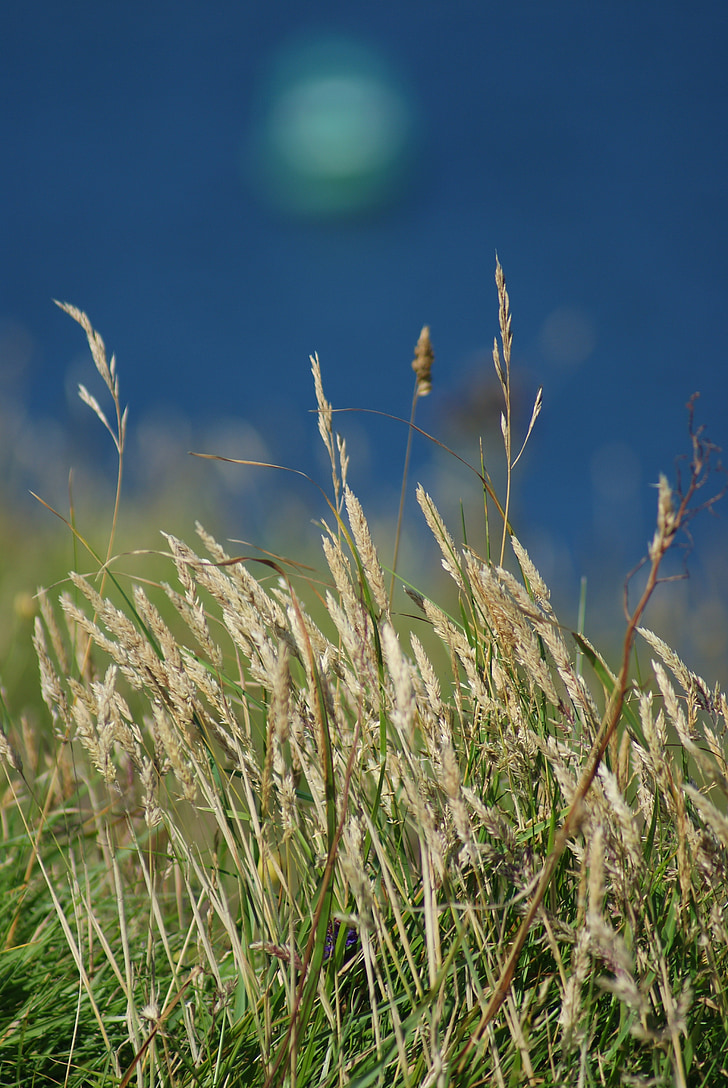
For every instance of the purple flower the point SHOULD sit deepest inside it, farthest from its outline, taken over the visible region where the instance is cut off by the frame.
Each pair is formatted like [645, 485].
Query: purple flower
[332, 934]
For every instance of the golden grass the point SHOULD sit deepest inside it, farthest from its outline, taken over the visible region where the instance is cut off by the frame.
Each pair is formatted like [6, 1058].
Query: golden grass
[533, 869]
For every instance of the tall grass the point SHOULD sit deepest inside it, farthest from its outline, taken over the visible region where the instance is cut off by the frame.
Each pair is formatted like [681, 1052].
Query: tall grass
[277, 849]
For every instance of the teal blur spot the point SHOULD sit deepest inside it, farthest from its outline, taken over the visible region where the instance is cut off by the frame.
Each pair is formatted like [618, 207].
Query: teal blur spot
[334, 134]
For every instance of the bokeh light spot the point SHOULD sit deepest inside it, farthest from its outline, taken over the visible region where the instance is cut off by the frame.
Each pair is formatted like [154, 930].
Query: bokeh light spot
[568, 337]
[335, 132]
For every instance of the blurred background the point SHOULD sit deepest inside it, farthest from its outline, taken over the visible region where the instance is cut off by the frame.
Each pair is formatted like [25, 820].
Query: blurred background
[226, 188]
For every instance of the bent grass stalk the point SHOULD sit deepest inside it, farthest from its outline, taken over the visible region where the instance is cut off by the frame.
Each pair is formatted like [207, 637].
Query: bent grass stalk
[669, 523]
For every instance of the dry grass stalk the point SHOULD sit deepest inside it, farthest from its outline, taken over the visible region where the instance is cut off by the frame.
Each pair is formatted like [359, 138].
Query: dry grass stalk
[422, 366]
[255, 779]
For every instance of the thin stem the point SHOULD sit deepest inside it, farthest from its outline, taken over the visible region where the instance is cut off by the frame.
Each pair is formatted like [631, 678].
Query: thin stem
[415, 398]
[507, 511]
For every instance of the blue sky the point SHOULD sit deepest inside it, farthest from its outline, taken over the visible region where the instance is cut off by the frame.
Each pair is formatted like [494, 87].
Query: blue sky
[586, 143]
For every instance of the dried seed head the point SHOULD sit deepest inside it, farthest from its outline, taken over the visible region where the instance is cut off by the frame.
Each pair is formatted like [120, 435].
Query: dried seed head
[504, 320]
[404, 709]
[98, 351]
[8, 753]
[149, 778]
[325, 422]
[51, 687]
[571, 1003]
[367, 551]
[441, 535]
[422, 362]
[666, 525]
[596, 874]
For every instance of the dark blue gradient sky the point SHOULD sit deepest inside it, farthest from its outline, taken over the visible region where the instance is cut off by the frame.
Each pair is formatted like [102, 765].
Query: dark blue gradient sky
[586, 143]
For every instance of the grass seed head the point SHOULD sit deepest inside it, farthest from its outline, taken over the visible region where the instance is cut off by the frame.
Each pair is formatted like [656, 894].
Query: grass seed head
[422, 362]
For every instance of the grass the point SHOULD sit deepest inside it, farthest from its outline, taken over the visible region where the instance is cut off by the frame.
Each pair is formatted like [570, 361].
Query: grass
[284, 833]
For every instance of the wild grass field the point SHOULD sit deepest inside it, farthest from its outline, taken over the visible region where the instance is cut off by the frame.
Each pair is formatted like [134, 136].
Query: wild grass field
[295, 827]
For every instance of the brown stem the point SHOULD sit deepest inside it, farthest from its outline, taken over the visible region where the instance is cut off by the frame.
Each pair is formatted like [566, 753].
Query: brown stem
[606, 732]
